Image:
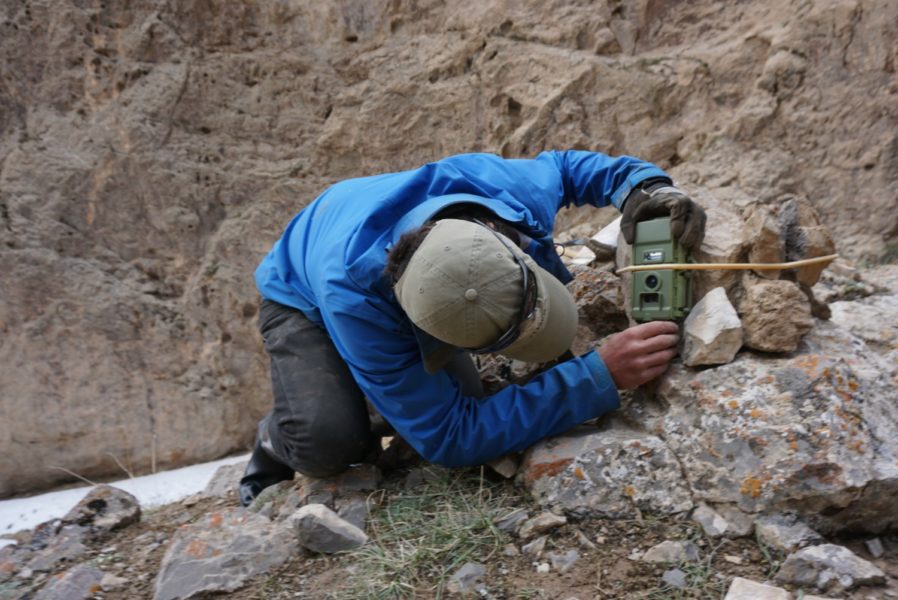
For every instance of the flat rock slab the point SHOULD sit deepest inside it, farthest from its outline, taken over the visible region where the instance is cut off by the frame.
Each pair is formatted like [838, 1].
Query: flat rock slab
[829, 567]
[220, 552]
[606, 473]
[78, 583]
[68, 544]
[105, 507]
[746, 589]
[671, 551]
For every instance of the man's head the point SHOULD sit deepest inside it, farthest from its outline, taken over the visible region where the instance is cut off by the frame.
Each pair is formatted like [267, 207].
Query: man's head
[472, 287]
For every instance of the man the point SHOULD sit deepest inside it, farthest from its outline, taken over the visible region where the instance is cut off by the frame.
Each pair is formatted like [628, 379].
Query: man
[384, 286]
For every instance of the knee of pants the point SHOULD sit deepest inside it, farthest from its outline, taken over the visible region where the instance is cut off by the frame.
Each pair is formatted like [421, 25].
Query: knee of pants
[320, 449]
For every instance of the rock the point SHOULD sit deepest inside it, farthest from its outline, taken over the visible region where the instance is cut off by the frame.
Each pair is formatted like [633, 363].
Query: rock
[354, 509]
[78, 583]
[319, 529]
[874, 547]
[563, 562]
[112, 583]
[775, 315]
[540, 524]
[785, 532]
[739, 523]
[67, 545]
[510, 522]
[723, 243]
[225, 481]
[467, 579]
[358, 478]
[829, 567]
[712, 333]
[670, 551]
[543, 568]
[712, 523]
[105, 508]
[219, 552]
[535, 548]
[511, 550]
[805, 237]
[762, 234]
[813, 433]
[584, 541]
[506, 466]
[745, 589]
[675, 578]
[607, 473]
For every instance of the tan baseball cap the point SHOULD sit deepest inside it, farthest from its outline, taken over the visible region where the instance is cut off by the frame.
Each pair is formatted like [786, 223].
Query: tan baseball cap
[464, 286]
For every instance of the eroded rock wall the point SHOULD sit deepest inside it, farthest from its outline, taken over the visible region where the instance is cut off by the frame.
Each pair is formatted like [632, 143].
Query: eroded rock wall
[151, 151]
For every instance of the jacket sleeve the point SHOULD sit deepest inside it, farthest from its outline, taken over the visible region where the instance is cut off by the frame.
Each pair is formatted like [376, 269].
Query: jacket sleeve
[429, 411]
[597, 179]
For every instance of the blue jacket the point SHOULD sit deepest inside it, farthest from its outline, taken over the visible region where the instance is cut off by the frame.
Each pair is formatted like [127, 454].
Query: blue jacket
[330, 261]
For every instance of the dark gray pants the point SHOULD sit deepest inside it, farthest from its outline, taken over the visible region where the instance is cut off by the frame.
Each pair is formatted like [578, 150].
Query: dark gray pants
[320, 423]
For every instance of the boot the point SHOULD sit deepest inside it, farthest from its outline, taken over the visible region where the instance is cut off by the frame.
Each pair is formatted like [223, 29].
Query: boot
[264, 469]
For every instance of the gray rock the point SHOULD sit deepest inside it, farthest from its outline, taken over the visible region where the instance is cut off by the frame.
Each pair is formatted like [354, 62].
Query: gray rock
[775, 314]
[712, 333]
[739, 523]
[67, 545]
[563, 562]
[511, 550]
[711, 522]
[600, 299]
[78, 583]
[829, 567]
[319, 529]
[510, 522]
[112, 583]
[606, 473]
[540, 524]
[874, 547]
[535, 548]
[785, 532]
[745, 589]
[506, 466]
[220, 552]
[225, 481]
[106, 508]
[354, 509]
[675, 578]
[805, 236]
[812, 433]
[467, 579]
[670, 551]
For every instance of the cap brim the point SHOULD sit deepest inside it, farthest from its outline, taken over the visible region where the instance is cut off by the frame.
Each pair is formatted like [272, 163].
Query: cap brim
[551, 330]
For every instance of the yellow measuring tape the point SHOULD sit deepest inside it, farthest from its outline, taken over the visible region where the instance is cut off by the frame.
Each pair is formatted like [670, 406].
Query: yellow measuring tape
[729, 266]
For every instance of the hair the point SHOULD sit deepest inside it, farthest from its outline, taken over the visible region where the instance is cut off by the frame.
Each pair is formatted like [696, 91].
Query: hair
[401, 253]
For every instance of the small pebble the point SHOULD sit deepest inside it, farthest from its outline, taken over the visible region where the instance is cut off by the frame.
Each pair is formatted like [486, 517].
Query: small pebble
[675, 578]
[874, 547]
[542, 567]
[730, 558]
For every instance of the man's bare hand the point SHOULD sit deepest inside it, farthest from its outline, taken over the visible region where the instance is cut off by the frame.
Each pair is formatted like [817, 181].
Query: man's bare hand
[640, 354]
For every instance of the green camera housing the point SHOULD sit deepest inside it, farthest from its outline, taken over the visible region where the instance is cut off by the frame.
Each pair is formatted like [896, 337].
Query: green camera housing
[662, 295]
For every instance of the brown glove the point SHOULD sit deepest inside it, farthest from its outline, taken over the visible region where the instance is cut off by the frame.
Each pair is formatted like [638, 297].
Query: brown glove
[687, 219]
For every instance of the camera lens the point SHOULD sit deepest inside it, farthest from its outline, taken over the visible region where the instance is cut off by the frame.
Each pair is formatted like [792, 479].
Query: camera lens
[651, 282]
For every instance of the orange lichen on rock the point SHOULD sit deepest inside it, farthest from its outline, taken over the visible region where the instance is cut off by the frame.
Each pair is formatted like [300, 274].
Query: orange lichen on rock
[546, 469]
[733, 404]
[756, 413]
[197, 549]
[579, 474]
[751, 486]
[215, 520]
[629, 491]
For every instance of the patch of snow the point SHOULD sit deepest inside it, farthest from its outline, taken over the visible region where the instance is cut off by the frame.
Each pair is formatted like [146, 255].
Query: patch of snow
[157, 489]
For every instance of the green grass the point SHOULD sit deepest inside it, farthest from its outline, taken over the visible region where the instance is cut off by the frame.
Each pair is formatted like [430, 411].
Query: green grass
[421, 537]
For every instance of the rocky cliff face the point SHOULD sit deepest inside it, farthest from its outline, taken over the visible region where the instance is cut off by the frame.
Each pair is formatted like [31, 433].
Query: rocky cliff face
[151, 151]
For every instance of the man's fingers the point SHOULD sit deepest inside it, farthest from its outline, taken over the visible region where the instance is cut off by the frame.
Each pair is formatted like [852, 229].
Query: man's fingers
[654, 328]
[660, 342]
[654, 372]
[660, 358]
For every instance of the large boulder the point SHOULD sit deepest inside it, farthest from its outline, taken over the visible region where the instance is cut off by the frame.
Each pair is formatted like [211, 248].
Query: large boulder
[814, 432]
